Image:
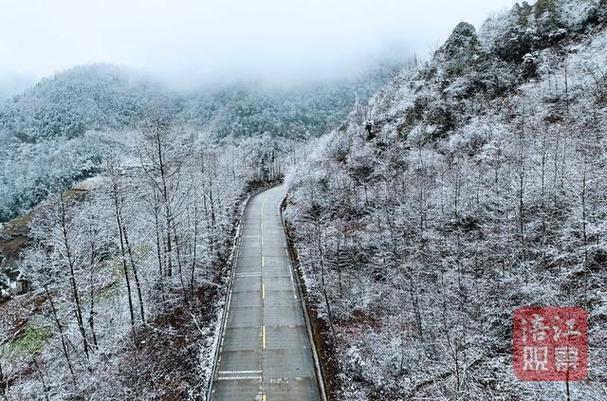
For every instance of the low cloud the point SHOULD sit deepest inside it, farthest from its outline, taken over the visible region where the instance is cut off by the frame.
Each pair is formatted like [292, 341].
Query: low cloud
[188, 41]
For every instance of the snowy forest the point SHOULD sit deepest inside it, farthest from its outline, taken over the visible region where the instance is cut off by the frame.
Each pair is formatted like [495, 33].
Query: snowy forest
[463, 190]
[426, 201]
[120, 266]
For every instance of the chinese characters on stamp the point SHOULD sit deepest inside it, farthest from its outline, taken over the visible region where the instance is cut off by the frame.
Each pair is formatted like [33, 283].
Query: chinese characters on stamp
[550, 344]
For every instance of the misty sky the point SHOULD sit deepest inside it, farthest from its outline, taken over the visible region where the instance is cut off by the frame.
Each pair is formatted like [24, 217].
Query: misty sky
[204, 40]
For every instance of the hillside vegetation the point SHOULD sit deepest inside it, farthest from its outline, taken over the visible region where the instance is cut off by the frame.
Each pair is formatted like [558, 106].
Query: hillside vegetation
[127, 272]
[463, 190]
[55, 132]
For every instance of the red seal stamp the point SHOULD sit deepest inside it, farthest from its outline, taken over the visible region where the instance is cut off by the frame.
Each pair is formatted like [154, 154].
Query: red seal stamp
[550, 344]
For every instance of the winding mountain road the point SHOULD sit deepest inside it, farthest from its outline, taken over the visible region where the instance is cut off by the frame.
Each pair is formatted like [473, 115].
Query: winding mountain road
[265, 352]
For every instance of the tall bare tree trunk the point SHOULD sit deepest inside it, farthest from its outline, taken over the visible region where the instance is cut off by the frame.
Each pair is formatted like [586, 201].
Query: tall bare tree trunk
[194, 254]
[72, 268]
[135, 274]
[125, 270]
[60, 329]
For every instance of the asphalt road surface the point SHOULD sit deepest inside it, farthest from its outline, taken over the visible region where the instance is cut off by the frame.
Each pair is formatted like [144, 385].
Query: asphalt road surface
[265, 352]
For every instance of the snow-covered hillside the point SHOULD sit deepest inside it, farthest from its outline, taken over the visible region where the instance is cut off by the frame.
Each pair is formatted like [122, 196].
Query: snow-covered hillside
[463, 190]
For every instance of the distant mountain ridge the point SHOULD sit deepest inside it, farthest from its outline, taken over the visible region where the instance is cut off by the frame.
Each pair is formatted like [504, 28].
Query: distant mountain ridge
[104, 96]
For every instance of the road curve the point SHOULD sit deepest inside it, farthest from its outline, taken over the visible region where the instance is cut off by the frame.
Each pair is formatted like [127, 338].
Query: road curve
[265, 352]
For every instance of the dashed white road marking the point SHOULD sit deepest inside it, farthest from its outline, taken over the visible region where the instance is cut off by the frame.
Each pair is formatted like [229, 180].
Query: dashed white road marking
[238, 372]
[251, 274]
[224, 378]
[263, 205]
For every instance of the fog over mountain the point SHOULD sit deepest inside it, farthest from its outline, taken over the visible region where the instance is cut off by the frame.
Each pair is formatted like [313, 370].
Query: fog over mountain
[12, 84]
[189, 41]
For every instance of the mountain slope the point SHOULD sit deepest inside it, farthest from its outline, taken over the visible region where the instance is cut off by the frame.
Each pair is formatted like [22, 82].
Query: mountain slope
[462, 191]
[84, 98]
[301, 111]
[63, 123]
[102, 97]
